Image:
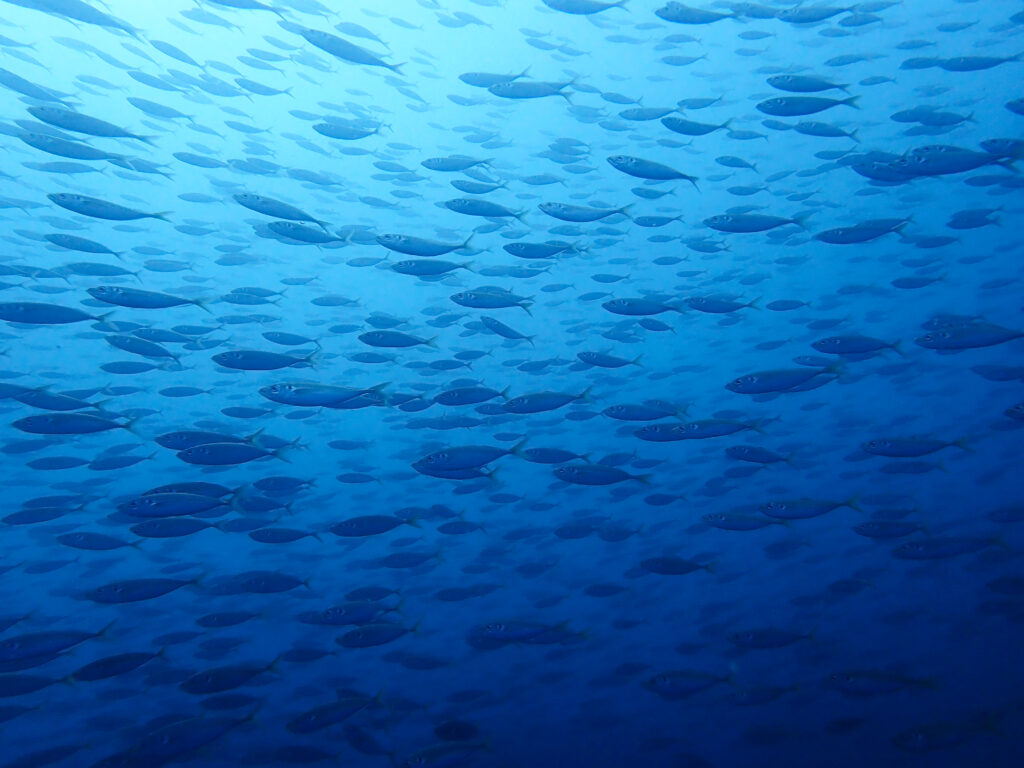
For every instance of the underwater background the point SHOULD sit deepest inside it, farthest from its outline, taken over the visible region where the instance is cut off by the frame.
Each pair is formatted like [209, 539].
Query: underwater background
[511, 383]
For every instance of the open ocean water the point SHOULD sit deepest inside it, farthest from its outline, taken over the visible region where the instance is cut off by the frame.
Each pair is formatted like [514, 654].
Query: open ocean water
[497, 383]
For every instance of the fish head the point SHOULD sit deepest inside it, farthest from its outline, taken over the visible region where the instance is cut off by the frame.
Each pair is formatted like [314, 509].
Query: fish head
[909, 548]
[105, 290]
[141, 503]
[826, 345]
[233, 356]
[566, 472]
[438, 459]
[277, 389]
[741, 383]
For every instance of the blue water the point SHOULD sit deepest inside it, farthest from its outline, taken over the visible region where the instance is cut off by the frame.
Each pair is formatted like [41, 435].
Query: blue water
[507, 383]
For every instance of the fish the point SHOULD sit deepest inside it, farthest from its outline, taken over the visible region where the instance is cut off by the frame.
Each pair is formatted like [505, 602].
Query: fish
[101, 209]
[79, 123]
[798, 106]
[647, 169]
[274, 208]
[343, 49]
[530, 89]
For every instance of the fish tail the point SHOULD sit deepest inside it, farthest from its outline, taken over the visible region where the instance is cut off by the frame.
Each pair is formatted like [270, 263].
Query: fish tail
[801, 218]
[130, 426]
[1007, 163]
[964, 443]
[517, 449]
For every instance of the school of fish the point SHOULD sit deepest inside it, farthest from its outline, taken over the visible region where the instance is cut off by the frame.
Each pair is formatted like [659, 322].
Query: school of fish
[438, 383]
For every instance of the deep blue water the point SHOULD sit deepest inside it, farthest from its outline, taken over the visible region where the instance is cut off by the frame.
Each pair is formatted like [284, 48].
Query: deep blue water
[511, 383]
